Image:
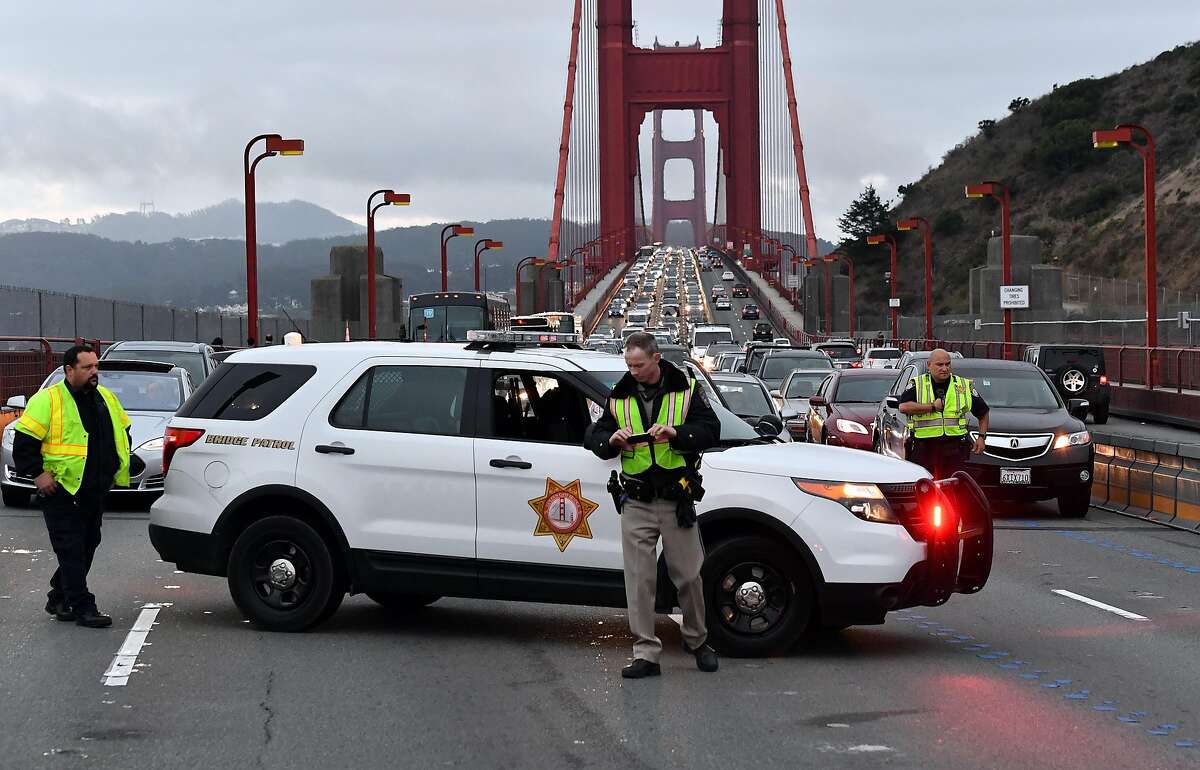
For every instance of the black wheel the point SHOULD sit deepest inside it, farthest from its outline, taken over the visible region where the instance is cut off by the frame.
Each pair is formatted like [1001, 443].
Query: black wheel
[402, 602]
[759, 596]
[15, 497]
[282, 575]
[1100, 414]
[1076, 504]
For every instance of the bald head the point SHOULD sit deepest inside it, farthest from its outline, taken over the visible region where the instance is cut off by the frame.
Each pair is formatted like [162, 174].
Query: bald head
[939, 365]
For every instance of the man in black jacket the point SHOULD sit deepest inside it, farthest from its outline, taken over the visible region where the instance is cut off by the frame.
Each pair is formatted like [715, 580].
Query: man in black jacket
[658, 421]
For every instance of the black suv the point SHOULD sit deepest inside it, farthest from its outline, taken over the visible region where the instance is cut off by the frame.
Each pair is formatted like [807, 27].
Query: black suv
[1077, 371]
[741, 290]
[762, 331]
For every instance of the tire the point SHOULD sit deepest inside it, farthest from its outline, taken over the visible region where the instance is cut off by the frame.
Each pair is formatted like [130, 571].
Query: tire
[315, 591]
[16, 497]
[402, 602]
[1076, 504]
[1100, 414]
[1071, 381]
[788, 599]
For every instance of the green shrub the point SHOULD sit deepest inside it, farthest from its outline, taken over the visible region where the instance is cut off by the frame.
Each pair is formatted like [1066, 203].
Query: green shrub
[1096, 199]
[1067, 147]
[949, 222]
[1080, 100]
[1184, 102]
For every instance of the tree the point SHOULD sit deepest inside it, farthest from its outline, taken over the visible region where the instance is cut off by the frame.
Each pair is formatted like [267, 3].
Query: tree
[867, 215]
[988, 127]
[1018, 104]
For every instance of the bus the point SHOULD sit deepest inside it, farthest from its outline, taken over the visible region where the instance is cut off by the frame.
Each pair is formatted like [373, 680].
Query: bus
[448, 316]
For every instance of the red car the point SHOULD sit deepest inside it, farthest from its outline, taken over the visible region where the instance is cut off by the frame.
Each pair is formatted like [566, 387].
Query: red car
[843, 408]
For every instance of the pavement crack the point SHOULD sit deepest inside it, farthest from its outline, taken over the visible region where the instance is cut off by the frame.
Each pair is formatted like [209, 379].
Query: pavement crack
[265, 706]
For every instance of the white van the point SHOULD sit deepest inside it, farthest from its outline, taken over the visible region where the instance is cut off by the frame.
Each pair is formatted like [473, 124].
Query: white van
[703, 336]
[637, 318]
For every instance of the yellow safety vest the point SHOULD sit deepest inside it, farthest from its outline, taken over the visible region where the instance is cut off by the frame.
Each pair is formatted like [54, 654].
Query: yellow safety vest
[52, 418]
[673, 411]
[952, 420]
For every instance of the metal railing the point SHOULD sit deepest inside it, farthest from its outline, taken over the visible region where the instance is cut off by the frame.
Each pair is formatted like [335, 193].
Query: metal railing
[22, 369]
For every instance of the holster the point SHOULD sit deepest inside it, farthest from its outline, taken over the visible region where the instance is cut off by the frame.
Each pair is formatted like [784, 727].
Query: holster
[617, 491]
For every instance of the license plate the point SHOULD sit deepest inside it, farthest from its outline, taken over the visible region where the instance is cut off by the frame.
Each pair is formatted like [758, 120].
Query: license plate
[1014, 475]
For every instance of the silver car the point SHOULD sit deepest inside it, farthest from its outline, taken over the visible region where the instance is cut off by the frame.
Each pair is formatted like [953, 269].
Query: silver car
[196, 357]
[151, 393]
[792, 399]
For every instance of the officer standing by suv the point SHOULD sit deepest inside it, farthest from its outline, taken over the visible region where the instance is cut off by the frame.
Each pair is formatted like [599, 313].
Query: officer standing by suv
[73, 441]
[936, 405]
[656, 494]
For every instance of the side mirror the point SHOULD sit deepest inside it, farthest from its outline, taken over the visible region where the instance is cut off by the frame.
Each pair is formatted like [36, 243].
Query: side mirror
[776, 394]
[816, 401]
[15, 402]
[768, 425]
[1078, 408]
[892, 402]
[791, 414]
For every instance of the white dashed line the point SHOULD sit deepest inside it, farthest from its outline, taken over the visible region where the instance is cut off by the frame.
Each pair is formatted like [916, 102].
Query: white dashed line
[122, 664]
[1100, 605]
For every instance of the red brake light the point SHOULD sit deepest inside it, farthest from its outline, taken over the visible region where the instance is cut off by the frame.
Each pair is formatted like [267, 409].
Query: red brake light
[937, 516]
[856, 364]
[176, 439]
[1104, 379]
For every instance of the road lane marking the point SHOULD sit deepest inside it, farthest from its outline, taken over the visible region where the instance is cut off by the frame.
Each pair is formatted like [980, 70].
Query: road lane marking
[123, 662]
[1100, 605]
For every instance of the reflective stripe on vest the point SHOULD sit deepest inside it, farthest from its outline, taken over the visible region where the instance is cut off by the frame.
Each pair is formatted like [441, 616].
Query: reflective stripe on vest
[673, 411]
[952, 420]
[52, 418]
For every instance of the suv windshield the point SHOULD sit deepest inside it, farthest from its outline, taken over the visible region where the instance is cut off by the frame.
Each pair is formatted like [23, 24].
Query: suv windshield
[1012, 388]
[745, 399]
[803, 385]
[863, 390]
[839, 352]
[777, 367]
[709, 337]
[884, 353]
[192, 362]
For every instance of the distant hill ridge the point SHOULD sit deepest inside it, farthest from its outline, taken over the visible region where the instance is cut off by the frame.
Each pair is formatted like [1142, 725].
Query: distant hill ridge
[277, 223]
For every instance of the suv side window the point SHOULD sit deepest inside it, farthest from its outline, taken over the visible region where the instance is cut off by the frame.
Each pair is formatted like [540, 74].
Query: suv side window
[528, 406]
[405, 399]
[245, 392]
[904, 379]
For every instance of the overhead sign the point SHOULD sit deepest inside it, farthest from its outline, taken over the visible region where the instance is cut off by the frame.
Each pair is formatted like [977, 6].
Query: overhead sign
[893, 302]
[1014, 297]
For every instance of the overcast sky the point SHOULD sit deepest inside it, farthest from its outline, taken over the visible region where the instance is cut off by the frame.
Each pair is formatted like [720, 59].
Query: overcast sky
[104, 105]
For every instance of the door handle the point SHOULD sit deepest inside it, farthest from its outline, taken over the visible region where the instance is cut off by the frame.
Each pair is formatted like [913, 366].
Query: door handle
[498, 463]
[333, 449]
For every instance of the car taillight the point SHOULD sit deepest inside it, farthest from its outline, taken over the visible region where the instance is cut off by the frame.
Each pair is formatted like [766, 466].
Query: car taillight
[176, 439]
[1104, 379]
[856, 364]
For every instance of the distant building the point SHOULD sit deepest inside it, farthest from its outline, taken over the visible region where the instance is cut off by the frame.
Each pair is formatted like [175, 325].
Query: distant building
[340, 298]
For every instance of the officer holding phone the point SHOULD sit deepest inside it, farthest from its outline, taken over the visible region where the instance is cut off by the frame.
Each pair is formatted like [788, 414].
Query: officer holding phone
[657, 490]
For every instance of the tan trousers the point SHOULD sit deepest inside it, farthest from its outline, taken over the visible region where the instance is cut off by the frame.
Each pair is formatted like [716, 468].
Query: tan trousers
[641, 526]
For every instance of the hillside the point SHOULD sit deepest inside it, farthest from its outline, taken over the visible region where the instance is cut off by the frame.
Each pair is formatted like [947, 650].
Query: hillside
[1085, 204]
[277, 223]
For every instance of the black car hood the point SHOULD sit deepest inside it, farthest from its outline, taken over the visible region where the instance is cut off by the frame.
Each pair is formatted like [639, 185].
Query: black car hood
[1013, 420]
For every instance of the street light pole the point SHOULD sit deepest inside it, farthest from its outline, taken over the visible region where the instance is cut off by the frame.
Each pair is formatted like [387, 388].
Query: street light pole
[1000, 193]
[276, 145]
[927, 235]
[390, 198]
[850, 303]
[875, 240]
[455, 231]
[487, 245]
[1123, 134]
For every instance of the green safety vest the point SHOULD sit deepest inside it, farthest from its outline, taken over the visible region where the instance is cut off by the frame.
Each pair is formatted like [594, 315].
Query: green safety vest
[673, 411]
[952, 420]
[52, 418]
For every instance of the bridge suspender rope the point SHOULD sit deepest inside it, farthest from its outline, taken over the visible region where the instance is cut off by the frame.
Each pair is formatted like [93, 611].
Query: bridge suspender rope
[797, 145]
[564, 144]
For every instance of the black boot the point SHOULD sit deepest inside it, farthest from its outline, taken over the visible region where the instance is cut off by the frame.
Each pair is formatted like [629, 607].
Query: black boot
[706, 657]
[640, 668]
[91, 618]
[59, 610]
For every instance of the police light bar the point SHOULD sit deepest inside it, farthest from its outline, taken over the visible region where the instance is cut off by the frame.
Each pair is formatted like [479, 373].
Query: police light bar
[529, 337]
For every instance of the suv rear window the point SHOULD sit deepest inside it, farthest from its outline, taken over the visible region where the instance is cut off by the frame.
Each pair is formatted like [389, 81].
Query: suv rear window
[245, 392]
[1052, 358]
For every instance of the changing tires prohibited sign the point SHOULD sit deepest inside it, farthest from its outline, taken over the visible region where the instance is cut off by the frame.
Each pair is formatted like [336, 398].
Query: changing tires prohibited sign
[1014, 297]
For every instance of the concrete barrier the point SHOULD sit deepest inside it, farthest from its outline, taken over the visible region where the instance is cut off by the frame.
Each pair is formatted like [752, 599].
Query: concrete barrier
[1141, 477]
[1157, 481]
[1187, 500]
[1118, 473]
[1166, 478]
[1100, 472]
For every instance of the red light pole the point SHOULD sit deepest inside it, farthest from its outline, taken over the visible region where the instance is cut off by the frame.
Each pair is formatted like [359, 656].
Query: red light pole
[390, 198]
[1123, 134]
[1000, 193]
[486, 244]
[893, 303]
[921, 223]
[850, 304]
[276, 145]
[455, 231]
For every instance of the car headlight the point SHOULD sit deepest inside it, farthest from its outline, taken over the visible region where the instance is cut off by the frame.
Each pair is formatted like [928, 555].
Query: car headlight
[1082, 438]
[850, 426]
[863, 500]
[153, 445]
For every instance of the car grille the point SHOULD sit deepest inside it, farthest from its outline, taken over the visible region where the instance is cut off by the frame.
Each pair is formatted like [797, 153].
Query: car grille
[903, 500]
[1028, 446]
[153, 482]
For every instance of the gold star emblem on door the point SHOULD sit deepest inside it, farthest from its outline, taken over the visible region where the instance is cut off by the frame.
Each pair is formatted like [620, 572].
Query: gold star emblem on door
[562, 513]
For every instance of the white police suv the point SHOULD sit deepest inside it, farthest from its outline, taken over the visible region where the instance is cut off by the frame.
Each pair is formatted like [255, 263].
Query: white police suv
[414, 471]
